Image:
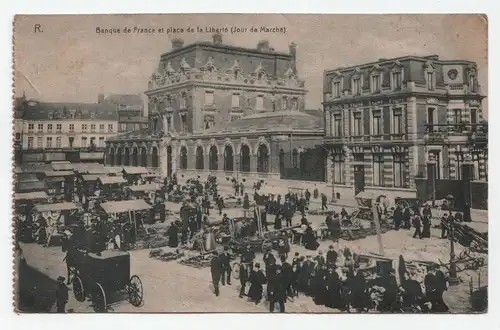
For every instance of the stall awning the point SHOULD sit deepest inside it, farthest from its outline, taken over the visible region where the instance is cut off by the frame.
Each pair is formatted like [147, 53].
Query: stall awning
[90, 177]
[91, 155]
[135, 170]
[146, 187]
[111, 179]
[54, 156]
[55, 179]
[36, 168]
[125, 206]
[86, 167]
[58, 173]
[18, 169]
[30, 196]
[31, 186]
[113, 169]
[62, 166]
[27, 177]
[150, 176]
[56, 207]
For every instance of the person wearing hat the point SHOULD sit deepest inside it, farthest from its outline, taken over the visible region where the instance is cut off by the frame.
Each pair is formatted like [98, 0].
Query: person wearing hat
[390, 295]
[248, 257]
[61, 295]
[216, 271]
[331, 257]
[225, 261]
[257, 280]
[444, 226]
[277, 290]
[320, 259]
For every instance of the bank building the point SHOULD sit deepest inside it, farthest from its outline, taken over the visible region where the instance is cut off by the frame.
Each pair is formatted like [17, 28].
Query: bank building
[227, 111]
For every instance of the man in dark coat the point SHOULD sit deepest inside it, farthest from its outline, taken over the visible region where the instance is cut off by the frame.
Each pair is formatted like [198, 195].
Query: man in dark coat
[277, 291]
[248, 257]
[320, 259]
[288, 210]
[61, 295]
[324, 205]
[257, 280]
[444, 226]
[333, 289]
[225, 261]
[263, 217]
[287, 276]
[216, 271]
[331, 257]
[398, 217]
[426, 226]
[418, 225]
[244, 277]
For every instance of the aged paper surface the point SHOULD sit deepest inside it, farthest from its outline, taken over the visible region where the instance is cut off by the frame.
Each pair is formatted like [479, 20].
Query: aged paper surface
[251, 163]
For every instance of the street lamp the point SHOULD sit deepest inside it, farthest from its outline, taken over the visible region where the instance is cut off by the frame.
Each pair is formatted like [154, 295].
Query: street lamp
[431, 175]
[452, 276]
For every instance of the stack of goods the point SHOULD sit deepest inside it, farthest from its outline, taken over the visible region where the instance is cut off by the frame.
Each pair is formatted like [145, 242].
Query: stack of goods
[231, 201]
[318, 212]
[255, 244]
[362, 233]
[470, 237]
[165, 256]
[199, 261]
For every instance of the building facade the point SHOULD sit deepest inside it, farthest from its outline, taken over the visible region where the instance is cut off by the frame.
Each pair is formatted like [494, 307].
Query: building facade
[130, 111]
[62, 131]
[380, 116]
[224, 110]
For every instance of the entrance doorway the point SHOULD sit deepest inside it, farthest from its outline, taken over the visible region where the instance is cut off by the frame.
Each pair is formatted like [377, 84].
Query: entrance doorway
[359, 179]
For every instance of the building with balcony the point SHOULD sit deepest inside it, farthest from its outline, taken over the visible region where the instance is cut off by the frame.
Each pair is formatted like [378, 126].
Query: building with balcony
[130, 111]
[380, 118]
[74, 132]
[225, 110]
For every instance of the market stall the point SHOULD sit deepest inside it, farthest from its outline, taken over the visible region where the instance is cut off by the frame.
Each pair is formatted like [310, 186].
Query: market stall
[25, 187]
[60, 183]
[110, 185]
[57, 216]
[133, 173]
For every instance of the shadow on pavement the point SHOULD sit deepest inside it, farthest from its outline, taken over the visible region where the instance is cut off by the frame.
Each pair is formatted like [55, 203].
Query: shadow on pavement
[36, 292]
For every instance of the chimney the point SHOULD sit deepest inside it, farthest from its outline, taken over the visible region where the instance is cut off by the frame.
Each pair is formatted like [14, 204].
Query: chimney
[217, 39]
[100, 98]
[177, 43]
[263, 46]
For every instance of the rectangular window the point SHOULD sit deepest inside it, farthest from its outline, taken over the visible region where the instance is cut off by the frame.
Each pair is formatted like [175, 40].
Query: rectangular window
[284, 103]
[209, 98]
[473, 119]
[39, 142]
[101, 127]
[110, 127]
[30, 142]
[49, 128]
[235, 101]
[123, 127]
[358, 124]
[31, 127]
[356, 86]
[40, 127]
[137, 127]
[360, 158]
[376, 83]
[101, 141]
[49, 142]
[92, 140]
[84, 142]
[399, 170]
[92, 127]
[58, 142]
[430, 119]
[336, 89]
[71, 128]
[437, 158]
[396, 80]
[457, 114]
[377, 122]
[259, 103]
[183, 123]
[59, 127]
[378, 170]
[430, 81]
[294, 104]
[458, 166]
[338, 162]
[84, 127]
[337, 125]
[397, 121]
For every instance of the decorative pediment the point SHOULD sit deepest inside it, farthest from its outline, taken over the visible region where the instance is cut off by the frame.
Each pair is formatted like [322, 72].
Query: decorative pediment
[289, 73]
[472, 69]
[398, 149]
[235, 66]
[396, 66]
[185, 65]
[377, 149]
[375, 69]
[429, 65]
[337, 74]
[210, 66]
[357, 150]
[260, 70]
[169, 70]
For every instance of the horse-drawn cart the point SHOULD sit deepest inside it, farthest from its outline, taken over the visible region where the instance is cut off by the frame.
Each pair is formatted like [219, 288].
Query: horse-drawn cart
[97, 275]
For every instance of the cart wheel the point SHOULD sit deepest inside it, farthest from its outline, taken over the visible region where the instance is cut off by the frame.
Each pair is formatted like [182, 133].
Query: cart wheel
[236, 270]
[135, 292]
[99, 299]
[78, 290]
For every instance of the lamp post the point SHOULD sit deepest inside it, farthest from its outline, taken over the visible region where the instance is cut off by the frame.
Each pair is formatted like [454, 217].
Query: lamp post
[431, 175]
[452, 276]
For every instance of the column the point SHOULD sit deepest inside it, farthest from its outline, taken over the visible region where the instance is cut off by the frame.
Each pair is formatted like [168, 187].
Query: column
[431, 177]
[163, 160]
[175, 153]
[348, 168]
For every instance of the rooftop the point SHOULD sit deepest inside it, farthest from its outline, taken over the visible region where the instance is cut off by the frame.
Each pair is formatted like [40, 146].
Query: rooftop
[125, 99]
[35, 110]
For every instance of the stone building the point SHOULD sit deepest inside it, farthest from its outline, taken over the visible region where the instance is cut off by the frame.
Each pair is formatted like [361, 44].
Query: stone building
[225, 110]
[130, 111]
[380, 116]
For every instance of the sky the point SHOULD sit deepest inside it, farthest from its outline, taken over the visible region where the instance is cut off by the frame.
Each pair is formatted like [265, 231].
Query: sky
[69, 62]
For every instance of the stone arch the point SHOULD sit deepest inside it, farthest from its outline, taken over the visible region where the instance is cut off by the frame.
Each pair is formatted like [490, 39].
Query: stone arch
[183, 157]
[245, 153]
[243, 142]
[197, 144]
[261, 141]
[282, 160]
[228, 157]
[118, 155]
[111, 156]
[200, 154]
[135, 155]
[143, 155]
[263, 158]
[213, 157]
[169, 160]
[126, 152]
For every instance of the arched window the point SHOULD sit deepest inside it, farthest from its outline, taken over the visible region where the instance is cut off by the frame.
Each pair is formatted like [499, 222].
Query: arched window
[295, 156]
[135, 157]
[213, 164]
[184, 158]
[228, 159]
[154, 158]
[199, 158]
[144, 157]
[282, 159]
[262, 159]
[111, 157]
[126, 158]
[245, 158]
[118, 156]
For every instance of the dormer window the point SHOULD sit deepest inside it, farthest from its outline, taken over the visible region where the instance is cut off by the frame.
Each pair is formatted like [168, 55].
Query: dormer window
[92, 115]
[51, 115]
[236, 75]
[336, 88]
[356, 85]
[430, 78]
[260, 76]
[72, 115]
[396, 80]
[375, 83]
